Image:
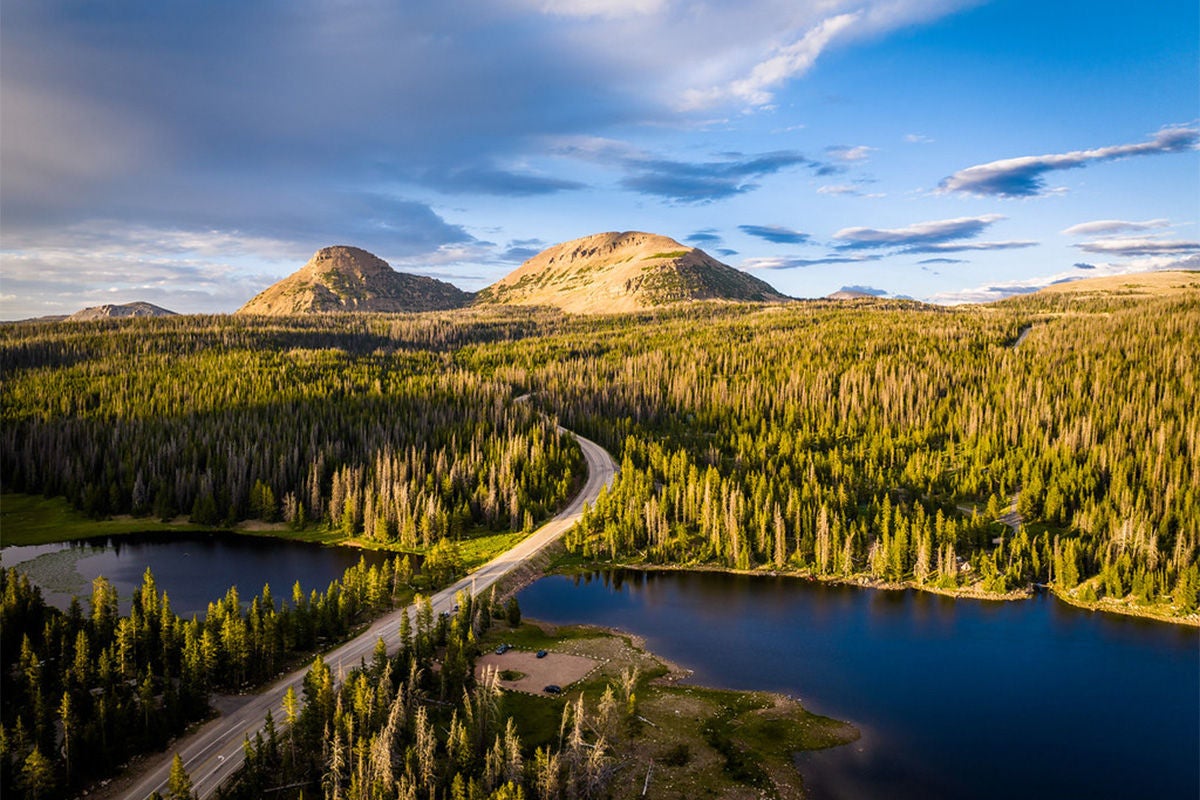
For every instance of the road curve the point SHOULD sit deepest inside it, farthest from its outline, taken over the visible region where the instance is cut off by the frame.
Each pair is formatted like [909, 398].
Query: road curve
[214, 752]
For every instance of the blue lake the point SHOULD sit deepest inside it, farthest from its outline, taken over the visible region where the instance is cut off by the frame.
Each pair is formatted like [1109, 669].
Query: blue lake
[955, 698]
[193, 568]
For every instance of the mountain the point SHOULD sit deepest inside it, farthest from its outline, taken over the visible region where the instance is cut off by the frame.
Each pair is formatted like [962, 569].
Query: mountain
[109, 311]
[613, 272]
[349, 279]
[850, 294]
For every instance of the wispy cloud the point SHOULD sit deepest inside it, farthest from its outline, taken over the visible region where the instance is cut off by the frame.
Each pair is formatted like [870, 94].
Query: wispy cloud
[964, 247]
[494, 181]
[609, 9]
[843, 152]
[1025, 176]
[681, 181]
[705, 237]
[921, 234]
[702, 182]
[1139, 246]
[796, 262]
[775, 233]
[1102, 227]
[943, 261]
[787, 61]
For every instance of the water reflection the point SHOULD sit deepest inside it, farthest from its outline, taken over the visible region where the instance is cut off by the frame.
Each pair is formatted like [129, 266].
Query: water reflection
[193, 568]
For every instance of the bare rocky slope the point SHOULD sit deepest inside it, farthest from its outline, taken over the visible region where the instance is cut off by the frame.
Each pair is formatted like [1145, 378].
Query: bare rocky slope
[615, 272]
[109, 311]
[344, 278]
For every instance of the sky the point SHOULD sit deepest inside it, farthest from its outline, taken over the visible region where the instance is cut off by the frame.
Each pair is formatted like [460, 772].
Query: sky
[191, 153]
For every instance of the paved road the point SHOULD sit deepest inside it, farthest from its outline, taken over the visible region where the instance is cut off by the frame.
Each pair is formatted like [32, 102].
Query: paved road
[214, 752]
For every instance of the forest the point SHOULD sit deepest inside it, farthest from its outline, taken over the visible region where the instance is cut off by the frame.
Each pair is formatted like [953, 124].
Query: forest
[1040, 442]
[893, 441]
[85, 690]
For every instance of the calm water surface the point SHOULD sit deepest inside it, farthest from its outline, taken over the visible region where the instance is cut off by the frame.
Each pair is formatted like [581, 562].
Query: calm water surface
[193, 568]
[955, 698]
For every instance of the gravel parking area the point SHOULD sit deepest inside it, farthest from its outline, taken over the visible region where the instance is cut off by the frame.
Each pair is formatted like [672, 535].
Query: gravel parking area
[560, 669]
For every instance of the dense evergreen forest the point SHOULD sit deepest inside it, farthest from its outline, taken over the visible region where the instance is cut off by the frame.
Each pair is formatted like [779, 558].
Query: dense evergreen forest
[364, 425]
[418, 726]
[1045, 440]
[886, 440]
[83, 691]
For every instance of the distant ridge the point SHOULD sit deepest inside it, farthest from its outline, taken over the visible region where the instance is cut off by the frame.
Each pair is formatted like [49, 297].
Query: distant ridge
[850, 294]
[617, 272]
[343, 278]
[110, 311]
[1129, 284]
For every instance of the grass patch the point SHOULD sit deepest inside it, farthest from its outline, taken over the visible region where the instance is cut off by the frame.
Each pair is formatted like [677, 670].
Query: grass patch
[479, 550]
[511, 675]
[670, 254]
[33, 519]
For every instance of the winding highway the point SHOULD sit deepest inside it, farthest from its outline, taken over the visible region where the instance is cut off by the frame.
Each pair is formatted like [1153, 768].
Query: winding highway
[214, 752]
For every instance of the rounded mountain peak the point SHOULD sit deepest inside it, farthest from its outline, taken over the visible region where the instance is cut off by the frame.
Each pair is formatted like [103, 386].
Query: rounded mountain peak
[345, 260]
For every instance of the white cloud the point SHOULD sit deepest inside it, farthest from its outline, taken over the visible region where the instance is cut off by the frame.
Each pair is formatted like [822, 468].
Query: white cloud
[788, 61]
[921, 233]
[1024, 176]
[608, 9]
[841, 188]
[848, 153]
[1106, 226]
[1138, 246]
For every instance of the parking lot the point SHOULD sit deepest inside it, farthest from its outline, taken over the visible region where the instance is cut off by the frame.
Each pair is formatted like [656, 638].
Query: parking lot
[558, 669]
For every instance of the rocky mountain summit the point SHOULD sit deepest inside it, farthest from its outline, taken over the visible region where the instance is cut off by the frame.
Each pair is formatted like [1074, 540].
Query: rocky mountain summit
[342, 278]
[630, 271]
[110, 311]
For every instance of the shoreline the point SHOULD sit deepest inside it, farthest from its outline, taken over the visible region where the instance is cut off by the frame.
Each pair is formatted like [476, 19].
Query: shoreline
[126, 524]
[963, 592]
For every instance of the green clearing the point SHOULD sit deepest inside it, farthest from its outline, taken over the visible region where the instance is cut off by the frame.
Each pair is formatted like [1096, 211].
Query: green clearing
[32, 519]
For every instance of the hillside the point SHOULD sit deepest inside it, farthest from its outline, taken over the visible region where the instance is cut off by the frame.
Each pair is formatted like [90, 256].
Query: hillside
[344, 278]
[1140, 284]
[615, 272]
[109, 311]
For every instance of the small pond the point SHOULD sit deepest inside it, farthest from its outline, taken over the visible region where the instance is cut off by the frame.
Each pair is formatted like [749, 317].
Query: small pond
[193, 568]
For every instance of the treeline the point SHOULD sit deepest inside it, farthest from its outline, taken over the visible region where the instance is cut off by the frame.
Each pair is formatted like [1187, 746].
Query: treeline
[887, 440]
[83, 691]
[418, 726]
[222, 421]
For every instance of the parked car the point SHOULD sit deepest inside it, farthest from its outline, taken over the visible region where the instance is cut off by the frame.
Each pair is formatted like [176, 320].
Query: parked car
[541, 653]
[553, 689]
[502, 649]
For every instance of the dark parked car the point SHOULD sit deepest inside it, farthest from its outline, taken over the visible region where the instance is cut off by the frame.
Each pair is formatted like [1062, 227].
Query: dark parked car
[553, 689]
[502, 649]
[541, 653]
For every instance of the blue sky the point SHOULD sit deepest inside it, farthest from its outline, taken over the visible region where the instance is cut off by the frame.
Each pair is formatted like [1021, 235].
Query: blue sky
[191, 153]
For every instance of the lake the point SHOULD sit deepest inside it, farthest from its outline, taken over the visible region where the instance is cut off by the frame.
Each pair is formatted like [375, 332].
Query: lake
[193, 568]
[955, 698]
